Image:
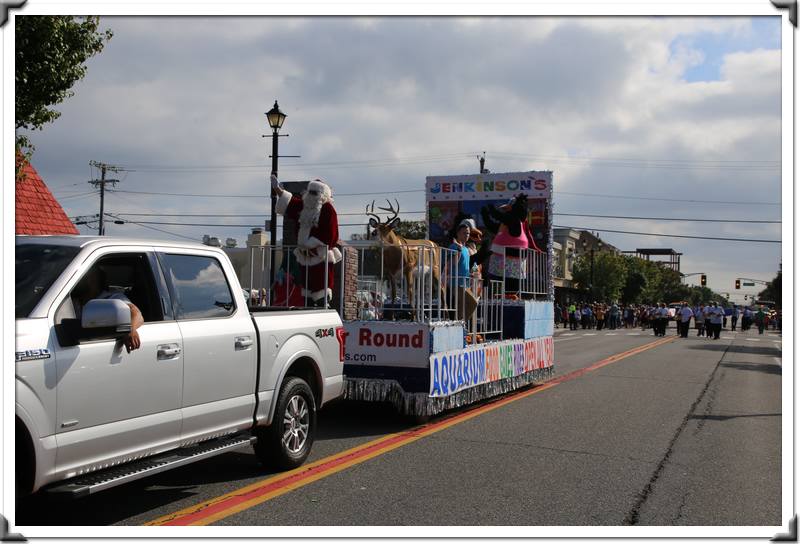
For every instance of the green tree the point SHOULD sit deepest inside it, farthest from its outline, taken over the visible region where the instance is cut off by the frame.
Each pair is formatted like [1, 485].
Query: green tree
[411, 230]
[652, 292]
[607, 281]
[50, 54]
[773, 291]
[635, 280]
[673, 289]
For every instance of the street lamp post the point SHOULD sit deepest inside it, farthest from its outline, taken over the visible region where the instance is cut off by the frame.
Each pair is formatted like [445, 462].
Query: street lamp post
[591, 266]
[275, 118]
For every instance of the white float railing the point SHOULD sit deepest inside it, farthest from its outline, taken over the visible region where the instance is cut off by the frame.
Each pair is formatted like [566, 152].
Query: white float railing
[416, 283]
[409, 280]
[525, 273]
[290, 278]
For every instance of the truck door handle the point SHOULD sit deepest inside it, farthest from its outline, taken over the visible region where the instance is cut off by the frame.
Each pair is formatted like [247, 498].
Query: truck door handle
[242, 343]
[166, 352]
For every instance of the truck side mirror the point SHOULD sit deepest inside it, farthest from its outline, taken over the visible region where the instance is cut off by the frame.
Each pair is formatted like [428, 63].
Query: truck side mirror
[106, 315]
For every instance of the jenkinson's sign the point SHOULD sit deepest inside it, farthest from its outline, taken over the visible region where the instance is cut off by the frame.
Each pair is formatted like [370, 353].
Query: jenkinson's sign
[489, 186]
[454, 371]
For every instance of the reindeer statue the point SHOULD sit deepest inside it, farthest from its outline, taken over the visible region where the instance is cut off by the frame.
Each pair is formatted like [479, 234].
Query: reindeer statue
[403, 255]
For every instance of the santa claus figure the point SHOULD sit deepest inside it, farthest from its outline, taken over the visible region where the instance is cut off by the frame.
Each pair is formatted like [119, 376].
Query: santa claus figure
[317, 237]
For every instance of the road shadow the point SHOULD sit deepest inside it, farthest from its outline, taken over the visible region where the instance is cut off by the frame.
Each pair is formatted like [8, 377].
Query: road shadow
[710, 417]
[353, 419]
[752, 350]
[767, 368]
[141, 496]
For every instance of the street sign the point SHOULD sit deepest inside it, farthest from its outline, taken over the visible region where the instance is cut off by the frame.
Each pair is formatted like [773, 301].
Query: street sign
[748, 283]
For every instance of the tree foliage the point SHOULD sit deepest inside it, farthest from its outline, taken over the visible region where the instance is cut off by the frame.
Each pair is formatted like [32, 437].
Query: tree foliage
[411, 230]
[631, 280]
[608, 278]
[50, 56]
[773, 291]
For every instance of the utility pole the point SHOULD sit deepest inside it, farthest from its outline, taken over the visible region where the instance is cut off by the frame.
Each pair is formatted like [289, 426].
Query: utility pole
[102, 183]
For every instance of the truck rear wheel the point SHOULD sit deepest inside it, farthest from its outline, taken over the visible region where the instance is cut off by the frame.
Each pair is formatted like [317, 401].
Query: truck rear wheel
[287, 442]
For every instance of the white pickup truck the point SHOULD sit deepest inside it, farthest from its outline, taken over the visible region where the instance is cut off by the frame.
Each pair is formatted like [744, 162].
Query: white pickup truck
[211, 375]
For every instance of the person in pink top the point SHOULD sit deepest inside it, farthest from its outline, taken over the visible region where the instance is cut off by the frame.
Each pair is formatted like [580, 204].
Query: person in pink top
[510, 223]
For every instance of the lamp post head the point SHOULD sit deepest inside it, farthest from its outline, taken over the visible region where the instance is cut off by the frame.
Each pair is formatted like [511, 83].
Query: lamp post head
[275, 117]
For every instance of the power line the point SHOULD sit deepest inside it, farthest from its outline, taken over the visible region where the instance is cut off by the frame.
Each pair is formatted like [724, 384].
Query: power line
[670, 235]
[699, 161]
[158, 229]
[76, 196]
[214, 214]
[265, 195]
[209, 195]
[668, 218]
[658, 164]
[332, 164]
[668, 199]
[221, 225]
[614, 161]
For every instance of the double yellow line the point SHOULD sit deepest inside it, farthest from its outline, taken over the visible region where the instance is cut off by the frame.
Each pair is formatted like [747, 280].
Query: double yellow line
[226, 505]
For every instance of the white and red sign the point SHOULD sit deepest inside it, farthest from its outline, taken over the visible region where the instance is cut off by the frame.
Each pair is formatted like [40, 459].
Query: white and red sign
[387, 343]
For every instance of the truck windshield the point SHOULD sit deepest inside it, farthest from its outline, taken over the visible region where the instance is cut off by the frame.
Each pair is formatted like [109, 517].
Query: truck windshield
[37, 267]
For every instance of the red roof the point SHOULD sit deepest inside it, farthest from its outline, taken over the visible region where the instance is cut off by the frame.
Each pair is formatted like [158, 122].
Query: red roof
[38, 211]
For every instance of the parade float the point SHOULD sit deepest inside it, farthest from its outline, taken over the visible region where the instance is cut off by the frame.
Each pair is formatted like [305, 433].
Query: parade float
[419, 335]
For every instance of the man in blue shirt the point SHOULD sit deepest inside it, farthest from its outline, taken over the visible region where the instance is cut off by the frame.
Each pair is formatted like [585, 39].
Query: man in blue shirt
[460, 276]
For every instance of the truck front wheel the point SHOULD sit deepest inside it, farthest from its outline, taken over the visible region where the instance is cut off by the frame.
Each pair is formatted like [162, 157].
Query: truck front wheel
[287, 442]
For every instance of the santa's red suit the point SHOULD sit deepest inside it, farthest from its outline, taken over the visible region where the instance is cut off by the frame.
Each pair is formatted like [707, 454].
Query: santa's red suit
[315, 232]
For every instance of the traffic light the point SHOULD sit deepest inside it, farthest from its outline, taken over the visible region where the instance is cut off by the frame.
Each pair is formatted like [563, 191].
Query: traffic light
[738, 284]
[703, 280]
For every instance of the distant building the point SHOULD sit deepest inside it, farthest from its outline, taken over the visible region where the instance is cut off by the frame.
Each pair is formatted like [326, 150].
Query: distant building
[37, 210]
[673, 258]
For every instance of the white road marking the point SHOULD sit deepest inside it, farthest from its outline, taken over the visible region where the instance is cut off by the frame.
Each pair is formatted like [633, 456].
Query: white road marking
[753, 339]
[590, 334]
[634, 334]
[568, 334]
[611, 334]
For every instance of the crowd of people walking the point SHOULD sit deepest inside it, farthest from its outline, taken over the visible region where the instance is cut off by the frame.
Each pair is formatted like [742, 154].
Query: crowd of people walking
[709, 319]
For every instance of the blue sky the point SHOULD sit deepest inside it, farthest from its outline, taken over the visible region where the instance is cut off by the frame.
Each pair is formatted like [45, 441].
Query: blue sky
[764, 33]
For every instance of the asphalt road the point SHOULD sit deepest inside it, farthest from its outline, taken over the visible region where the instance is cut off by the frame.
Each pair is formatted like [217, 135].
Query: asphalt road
[685, 433]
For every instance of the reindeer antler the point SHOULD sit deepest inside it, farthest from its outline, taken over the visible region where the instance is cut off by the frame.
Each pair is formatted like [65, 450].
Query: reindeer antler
[371, 212]
[391, 209]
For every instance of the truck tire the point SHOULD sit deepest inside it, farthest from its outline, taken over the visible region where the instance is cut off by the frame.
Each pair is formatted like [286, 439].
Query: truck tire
[286, 443]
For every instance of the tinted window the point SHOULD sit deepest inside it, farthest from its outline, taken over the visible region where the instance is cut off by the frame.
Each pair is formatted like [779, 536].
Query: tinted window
[37, 267]
[201, 289]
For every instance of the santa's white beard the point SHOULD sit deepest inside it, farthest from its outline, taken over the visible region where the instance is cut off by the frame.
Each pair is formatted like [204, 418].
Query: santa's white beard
[312, 206]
